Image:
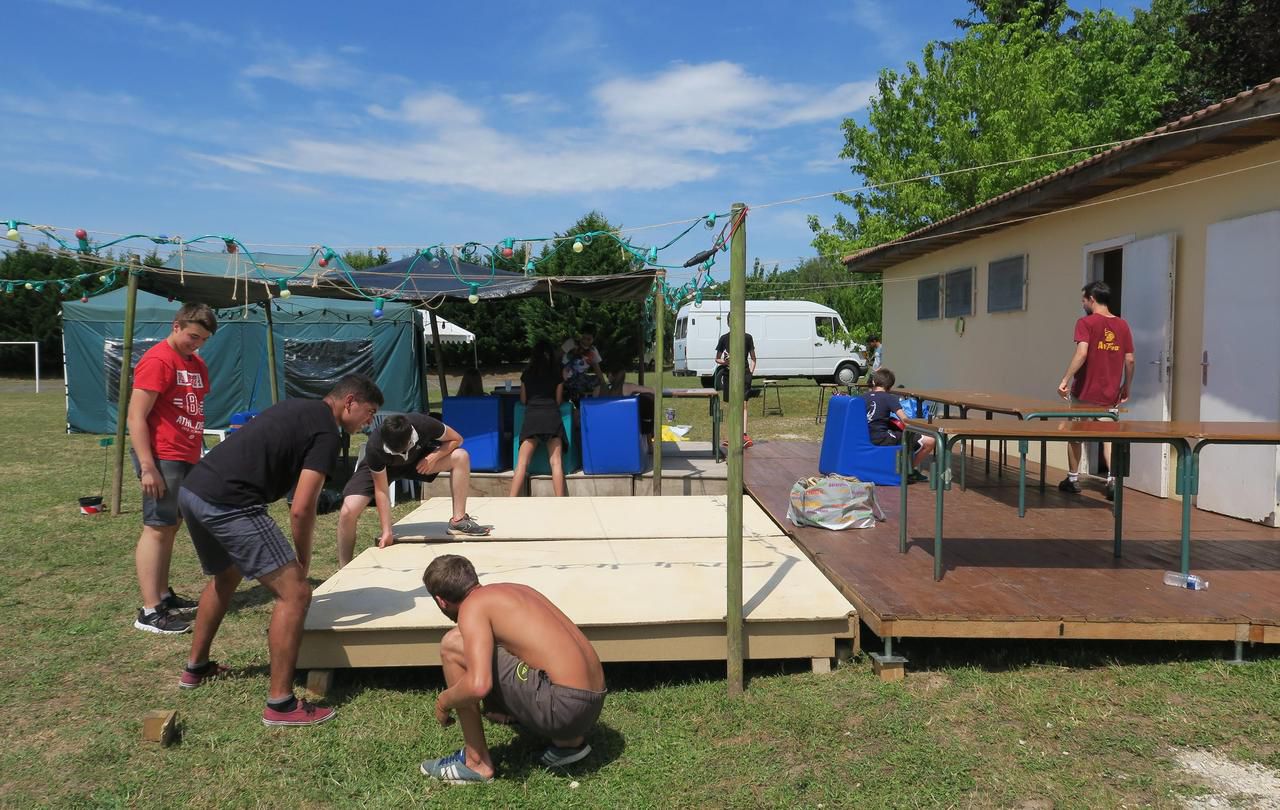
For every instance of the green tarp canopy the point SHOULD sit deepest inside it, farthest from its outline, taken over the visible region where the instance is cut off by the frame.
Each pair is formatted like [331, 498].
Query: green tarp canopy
[316, 340]
[230, 279]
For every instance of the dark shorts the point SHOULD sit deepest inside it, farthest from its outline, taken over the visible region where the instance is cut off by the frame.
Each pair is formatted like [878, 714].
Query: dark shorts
[528, 695]
[892, 441]
[361, 482]
[746, 387]
[242, 536]
[163, 512]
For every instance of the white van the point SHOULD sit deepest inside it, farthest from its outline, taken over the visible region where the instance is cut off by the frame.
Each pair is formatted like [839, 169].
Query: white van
[788, 343]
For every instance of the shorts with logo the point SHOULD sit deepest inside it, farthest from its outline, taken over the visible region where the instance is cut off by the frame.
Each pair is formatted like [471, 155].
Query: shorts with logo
[547, 709]
[163, 511]
[242, 536]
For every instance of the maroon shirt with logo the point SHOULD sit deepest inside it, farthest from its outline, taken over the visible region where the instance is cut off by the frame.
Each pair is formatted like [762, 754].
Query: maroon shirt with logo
[1098, 381]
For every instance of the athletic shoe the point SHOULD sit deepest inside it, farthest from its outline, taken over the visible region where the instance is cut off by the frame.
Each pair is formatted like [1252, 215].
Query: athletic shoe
[746, 440]
[178, 604]
[915, 477]
[1111, 490]
[302, 714]
[555, 757]
[1067, 485]
[468, 526]
[161, 621]
[453, 770]
[190, 678]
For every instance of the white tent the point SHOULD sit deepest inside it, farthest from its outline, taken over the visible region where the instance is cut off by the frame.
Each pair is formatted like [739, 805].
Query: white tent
[449, 333]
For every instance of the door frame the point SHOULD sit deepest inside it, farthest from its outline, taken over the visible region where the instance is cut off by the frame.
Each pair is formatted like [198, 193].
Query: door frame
[1090, 450]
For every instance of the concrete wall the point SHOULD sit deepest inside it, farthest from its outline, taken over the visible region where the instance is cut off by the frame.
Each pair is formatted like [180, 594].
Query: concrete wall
[1026, 352]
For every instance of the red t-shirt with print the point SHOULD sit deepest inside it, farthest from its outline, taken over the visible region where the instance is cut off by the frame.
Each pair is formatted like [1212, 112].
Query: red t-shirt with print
[176, 420]
[1098, 381]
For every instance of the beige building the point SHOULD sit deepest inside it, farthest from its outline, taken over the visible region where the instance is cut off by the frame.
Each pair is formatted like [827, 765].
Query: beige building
[1183, 224]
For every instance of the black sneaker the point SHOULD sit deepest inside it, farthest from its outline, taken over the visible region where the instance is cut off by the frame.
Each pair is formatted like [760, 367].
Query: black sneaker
[1067, 485]
[915, 477]
[177, 604]
[1111, 490]
[162, 621]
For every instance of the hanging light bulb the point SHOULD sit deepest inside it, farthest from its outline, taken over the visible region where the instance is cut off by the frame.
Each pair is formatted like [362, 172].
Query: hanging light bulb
[577, 246]
[508, 249]
[474, 297]
[29, 286]
[231, 244]
[284, 288]
[378, 305]
[84, 299]
[529, 266]
[12, 234]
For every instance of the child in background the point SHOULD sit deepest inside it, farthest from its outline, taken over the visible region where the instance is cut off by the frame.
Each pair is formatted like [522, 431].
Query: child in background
[885, 419]
[472, 384]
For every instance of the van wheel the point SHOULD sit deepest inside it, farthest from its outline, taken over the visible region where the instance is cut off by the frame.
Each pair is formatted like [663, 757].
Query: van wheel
[848, 373]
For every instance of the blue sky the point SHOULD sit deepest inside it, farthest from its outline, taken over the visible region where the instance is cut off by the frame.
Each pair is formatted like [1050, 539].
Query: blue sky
[411, 123]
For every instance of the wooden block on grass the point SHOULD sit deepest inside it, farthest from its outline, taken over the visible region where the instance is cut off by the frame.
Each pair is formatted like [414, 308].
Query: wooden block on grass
[160, 726]
[889, 667]
[319, 682]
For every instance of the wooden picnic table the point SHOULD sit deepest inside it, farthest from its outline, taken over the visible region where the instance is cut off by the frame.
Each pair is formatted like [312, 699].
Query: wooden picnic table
[1187, 439]
[717, 452]
[1011, 405]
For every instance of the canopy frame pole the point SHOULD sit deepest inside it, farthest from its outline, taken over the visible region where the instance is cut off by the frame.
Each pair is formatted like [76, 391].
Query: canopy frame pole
[122, 393]
[435, 339]
[271, 353]
[737, 383]
[658, 351]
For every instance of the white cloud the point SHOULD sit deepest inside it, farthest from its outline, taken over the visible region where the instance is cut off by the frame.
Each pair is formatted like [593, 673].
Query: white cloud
[312, 72]
[152, 21]
[644, 133]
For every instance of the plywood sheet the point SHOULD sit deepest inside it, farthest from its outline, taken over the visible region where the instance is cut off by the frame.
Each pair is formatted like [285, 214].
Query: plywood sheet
[591, 518]
[595, 582]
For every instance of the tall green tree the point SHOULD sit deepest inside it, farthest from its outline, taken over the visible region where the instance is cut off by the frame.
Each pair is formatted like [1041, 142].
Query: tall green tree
[1232, 45]
[1004, 91]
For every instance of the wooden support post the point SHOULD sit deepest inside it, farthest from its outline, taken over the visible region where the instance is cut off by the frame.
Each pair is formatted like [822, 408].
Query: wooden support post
[821, 666]
[435, 338]
[271, 353]
[319, 682]
[160, 726]
[122, 393]
[659, 349]
[889, 667]
[737, 384]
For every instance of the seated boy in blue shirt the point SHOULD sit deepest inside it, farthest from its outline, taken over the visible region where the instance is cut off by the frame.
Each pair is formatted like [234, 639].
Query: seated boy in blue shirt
[885, 419]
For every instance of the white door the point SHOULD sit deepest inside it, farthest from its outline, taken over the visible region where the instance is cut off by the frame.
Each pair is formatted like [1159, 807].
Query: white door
[1240, 381]
[1147, 299]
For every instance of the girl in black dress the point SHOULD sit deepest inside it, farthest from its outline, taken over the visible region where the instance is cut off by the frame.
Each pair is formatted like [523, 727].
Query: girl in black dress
[541, 391]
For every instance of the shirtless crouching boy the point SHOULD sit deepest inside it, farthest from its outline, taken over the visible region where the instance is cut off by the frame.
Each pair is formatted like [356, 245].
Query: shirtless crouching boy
[523, 657]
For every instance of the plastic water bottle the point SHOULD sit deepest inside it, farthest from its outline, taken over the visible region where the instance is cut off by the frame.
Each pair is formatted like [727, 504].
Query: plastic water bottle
[1189, 581]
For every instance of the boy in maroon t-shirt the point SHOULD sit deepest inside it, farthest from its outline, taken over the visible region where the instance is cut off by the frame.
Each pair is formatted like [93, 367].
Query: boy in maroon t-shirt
[166, 426]
[1100, 372]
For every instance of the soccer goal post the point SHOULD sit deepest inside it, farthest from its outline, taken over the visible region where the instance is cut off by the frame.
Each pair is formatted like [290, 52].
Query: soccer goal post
[33, 344]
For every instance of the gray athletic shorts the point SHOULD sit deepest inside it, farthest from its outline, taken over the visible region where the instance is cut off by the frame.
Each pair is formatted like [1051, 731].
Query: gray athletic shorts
[528, 695]
[242, 536]
[163, 512]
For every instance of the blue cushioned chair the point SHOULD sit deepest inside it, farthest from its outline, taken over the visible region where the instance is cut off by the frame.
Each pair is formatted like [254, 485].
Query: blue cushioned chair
[479, 421]
[847, 447]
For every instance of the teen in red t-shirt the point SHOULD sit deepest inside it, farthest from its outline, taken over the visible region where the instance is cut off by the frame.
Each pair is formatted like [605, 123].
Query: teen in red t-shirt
[1100, 372]
[166, 427]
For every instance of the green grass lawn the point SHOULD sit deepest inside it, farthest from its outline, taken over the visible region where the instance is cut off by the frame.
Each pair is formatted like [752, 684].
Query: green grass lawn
[974, 725]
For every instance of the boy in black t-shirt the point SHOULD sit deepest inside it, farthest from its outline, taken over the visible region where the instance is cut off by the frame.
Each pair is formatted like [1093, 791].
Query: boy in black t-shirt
[885, 420]
[722, 359]
[291, 445]
[410, 446]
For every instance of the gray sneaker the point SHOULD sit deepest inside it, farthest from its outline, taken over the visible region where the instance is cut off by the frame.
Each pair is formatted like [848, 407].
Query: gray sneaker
[468, 527]
[555, 757]
[453, 770]
[161, 621]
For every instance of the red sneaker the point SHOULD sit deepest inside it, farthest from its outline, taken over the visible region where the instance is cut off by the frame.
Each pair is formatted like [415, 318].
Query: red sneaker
[303, 714]
[746, 440]
[191, 679]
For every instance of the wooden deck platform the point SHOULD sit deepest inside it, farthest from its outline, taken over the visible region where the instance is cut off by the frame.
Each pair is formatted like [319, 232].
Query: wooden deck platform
[643, 577]
[1050, 575]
